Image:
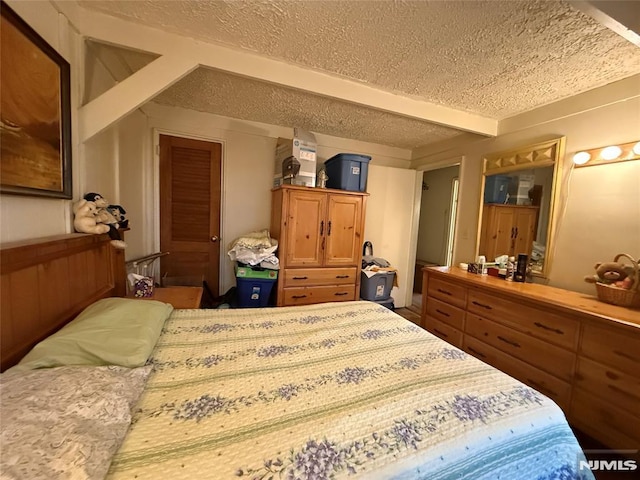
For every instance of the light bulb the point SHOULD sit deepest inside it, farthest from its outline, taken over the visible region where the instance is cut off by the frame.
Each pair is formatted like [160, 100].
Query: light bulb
[581, 158]
[611, 153]
[636, 148]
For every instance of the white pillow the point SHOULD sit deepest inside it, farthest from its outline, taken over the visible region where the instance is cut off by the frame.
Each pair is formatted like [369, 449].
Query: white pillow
[66, 422]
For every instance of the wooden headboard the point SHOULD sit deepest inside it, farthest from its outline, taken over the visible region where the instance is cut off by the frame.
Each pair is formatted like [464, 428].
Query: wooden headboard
[46, 282]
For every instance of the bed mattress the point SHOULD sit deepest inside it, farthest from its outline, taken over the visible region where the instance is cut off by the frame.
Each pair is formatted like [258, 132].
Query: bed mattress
[332, 391]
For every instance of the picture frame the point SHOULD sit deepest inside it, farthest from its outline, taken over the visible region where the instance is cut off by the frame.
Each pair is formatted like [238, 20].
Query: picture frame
[35, 111]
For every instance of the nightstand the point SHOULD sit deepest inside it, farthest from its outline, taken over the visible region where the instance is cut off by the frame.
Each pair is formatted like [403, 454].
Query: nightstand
[179, 297]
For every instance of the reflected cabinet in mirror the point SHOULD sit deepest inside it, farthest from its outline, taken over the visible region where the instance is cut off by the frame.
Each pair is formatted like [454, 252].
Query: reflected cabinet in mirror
[520, 192]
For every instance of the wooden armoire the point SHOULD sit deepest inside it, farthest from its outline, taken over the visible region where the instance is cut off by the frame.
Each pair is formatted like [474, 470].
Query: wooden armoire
[507, 230]
[320, 235]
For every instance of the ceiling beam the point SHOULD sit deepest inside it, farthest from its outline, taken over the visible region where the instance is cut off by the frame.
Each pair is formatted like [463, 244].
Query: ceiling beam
[115, 31]
[622, 17]
[133, 92]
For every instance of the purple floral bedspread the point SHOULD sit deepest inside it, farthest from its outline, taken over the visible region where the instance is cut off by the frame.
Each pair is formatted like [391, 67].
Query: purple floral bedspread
[332, 391]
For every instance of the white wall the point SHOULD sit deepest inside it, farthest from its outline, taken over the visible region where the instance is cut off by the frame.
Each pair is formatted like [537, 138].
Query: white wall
[600, 205]
[389, 222]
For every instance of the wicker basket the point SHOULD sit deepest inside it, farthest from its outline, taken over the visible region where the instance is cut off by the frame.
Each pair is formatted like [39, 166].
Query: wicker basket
[620, 296]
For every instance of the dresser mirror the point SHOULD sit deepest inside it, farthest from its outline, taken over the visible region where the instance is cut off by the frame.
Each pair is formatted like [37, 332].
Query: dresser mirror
[518, 211]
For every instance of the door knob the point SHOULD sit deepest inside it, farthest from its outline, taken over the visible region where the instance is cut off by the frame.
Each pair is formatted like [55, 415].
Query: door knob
[214, 238]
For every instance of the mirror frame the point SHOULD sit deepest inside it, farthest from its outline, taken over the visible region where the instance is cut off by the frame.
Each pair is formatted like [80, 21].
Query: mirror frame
[536, 155]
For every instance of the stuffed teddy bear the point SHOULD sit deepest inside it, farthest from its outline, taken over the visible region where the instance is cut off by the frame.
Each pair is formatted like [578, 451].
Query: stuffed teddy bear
[85, 220]
[118, 212]
[105, 217]
[609, 273]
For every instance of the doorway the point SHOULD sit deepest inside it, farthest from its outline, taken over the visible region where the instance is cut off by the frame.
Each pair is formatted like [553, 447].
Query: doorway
[436, 229]
[190, 199]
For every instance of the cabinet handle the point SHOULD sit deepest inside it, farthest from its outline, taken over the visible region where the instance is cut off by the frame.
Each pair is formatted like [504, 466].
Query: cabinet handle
[445, 292]
[442, 313]
[488, 307]
[516, 236]
[300, 278]
[550, 329]
[622, 392]
[329, 229]
[321, 227]
[340, 294]
[510, 342]
[298, 296]
[540, 387]
[342, 276]
[440, 333]
[474, 351]
[512, 233]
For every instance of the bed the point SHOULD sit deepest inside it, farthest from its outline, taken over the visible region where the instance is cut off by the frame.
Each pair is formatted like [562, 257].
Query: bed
[336, 390]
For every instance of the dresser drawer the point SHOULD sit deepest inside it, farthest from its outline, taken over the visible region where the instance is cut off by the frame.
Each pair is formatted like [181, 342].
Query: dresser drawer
[611, 425]
[444, 331]
[298, 277]
[620, 389]
[445, 313]
[308, 295]
[447, 292]
[552, 387]
[539, 323]
[619, 348]
[543, 355]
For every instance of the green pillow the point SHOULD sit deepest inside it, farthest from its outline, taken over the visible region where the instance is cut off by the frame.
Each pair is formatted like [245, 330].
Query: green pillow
[111, 331]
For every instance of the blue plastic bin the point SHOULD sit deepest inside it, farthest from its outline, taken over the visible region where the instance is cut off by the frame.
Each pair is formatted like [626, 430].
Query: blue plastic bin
[254, 285]
[348, 171]
[496, 188]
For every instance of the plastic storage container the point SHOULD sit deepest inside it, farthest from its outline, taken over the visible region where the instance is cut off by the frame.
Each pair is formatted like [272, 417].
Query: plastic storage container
[254, 286]
[377, 287]
[348, 171]
[496, 188]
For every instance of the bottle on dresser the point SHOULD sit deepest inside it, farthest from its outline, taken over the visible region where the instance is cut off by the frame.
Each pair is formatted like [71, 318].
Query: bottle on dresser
[520, 274]
[511, 268]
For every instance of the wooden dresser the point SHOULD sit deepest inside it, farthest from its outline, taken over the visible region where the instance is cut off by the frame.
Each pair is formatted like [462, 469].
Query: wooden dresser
[320, 236]
[582, 353]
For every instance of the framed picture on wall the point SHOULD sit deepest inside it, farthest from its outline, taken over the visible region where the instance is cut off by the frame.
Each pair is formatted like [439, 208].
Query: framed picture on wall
[35, 113]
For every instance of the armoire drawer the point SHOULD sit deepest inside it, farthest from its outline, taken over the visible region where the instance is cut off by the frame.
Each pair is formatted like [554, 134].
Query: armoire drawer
[549, 326]
[302, 277]
[448, 292]
[308, 295]
[446, 313]
[618, 349]
[444, 331]
[618, 388]
[543, 355]
[554, 388]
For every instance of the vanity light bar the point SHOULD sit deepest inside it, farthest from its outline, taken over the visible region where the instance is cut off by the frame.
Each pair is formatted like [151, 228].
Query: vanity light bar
[607, 155]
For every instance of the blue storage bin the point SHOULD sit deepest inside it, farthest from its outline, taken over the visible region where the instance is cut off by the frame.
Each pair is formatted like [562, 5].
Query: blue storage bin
[348, 171]
[254, 292]
[496, 188]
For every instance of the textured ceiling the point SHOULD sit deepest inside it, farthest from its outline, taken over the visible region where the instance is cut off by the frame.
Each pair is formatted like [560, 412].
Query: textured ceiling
[492, 58]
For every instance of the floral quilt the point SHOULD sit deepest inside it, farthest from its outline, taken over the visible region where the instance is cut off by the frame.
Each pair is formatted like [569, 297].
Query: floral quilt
[333, 391]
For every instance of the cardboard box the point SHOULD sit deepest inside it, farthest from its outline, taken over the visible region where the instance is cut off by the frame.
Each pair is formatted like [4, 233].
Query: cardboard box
[303, 146]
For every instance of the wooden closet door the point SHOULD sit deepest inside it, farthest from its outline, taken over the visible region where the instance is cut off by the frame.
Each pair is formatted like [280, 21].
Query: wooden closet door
[190, 179]
[305, 228]
[344, 231]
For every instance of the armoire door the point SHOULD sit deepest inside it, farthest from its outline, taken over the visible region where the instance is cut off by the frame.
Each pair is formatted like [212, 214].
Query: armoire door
[525, 222]
[501, 233]
[344, 231]
[306, 227]
[190, 189]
